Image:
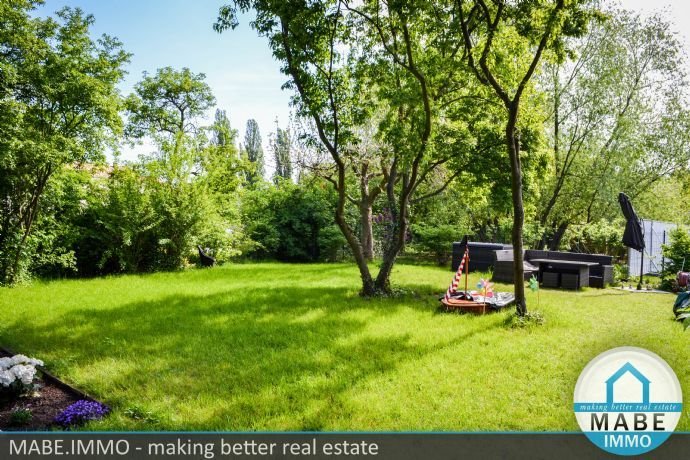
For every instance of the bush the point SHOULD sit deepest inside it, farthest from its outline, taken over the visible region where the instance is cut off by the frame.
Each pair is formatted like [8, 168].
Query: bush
[436, 240]
[602, 237]
[119, 225]
[677, 252]
[620, 273]
[55, 231]
[668, 284]
[151, 215]
[292, 222]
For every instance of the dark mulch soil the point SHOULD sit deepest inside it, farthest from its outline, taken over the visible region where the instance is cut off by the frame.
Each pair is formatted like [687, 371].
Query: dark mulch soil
[50, 399]
[45, 405]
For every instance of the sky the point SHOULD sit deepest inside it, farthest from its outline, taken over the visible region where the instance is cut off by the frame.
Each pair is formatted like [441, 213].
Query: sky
[238, 64]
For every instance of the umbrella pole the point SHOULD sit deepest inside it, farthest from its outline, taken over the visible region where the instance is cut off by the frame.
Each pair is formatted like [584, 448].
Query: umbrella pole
[639, 284]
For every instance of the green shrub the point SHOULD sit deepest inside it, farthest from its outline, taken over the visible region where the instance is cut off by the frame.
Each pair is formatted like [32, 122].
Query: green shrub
[668, 284]
[292, 222]
[20, 417]
[602, 237]
[620, 273]
[681, 308]
[436, 240]
[677, 252]
[151, 215]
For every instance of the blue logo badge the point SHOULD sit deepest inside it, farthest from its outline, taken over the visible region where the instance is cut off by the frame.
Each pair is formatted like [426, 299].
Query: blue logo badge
[628, 401]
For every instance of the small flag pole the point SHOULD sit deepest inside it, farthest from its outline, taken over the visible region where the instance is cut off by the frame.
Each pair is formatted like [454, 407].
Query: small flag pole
[534, 286]
[467, 268]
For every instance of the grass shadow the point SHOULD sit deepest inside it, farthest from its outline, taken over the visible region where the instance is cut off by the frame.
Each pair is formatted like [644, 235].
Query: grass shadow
[241, 358]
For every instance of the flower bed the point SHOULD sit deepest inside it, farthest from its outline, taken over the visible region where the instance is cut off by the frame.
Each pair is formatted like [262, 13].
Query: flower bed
[33, 400]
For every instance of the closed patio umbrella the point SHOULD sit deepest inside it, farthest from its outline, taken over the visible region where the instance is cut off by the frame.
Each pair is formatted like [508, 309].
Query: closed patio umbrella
[633, 237]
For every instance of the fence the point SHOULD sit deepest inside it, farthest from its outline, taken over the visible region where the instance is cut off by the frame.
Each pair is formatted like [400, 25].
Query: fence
[655, 234]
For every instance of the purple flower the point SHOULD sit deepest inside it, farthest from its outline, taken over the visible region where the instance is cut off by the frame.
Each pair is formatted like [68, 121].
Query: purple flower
[80, 412]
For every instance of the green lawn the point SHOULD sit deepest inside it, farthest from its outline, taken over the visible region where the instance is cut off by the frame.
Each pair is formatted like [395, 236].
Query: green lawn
[292, 347]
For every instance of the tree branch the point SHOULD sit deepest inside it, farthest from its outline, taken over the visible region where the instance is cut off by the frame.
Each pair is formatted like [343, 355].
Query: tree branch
[439, 190]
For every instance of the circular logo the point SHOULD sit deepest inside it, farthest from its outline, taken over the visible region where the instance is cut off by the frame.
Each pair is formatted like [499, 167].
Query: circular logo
[628, 401]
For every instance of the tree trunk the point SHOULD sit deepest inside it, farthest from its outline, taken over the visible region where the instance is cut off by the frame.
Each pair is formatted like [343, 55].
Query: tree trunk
[367, 237]
[368, 288]
[390, 253]
[518, 209]
[558, 236]
[32, 212]
[365, 213]
[395, 241]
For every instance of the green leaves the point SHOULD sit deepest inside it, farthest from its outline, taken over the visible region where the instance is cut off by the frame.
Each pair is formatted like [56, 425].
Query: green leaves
[618, 120]
[292, 222]
[167, 103]
[677, 252]
[681, 308]
[58, 105]
[254, 151]
[281, 145]
[682, 302]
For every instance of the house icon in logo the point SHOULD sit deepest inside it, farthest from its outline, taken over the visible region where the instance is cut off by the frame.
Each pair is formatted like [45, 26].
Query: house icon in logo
[627, 367]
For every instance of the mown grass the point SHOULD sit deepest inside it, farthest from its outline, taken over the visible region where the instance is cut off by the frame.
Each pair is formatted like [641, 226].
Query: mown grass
[293, 347]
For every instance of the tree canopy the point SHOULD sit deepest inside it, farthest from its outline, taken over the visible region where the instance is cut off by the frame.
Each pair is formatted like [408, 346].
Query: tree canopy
[168, 102]
[59, 104]
[254, 150]
[618, 119]
[414, 123]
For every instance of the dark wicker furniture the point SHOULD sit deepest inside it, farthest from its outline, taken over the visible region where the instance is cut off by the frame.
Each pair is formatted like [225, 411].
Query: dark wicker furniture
[600, 271]
[573, 274]
[481, 255]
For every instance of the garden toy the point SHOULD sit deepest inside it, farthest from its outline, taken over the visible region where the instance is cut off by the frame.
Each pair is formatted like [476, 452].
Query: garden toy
[473, 302]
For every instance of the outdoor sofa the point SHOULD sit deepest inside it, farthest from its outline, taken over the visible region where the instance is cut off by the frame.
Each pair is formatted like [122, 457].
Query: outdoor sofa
[481, 255]
[600, 273]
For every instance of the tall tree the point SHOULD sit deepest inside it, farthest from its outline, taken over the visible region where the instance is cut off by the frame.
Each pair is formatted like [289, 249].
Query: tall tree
[331, 50]
[254, 150]
[222, 133]
[306, 38]
[193, 180]
[224, 171]
[281, 146]
[181, 200]
[168, 103]
[365, 169]
[221, 164]
[58, 105]
[618, 117]
[500, 31]
[370, 180]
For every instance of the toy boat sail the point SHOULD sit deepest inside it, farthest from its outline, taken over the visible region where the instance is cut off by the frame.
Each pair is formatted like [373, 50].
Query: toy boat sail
[464, 300]
[472, 302]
